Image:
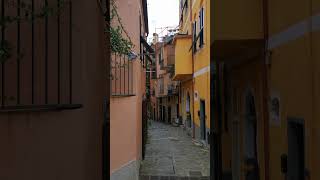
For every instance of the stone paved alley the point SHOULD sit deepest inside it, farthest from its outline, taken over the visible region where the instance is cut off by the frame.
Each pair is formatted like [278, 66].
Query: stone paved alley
[171, 152]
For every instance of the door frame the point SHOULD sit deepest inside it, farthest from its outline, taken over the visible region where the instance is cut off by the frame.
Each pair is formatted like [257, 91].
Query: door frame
[203, 121]
[249, 97]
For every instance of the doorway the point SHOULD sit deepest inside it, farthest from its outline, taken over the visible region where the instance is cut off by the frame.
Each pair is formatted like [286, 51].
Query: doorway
[202, 120]
[164, 114]
[250, 135]
[295, 149]
[169, 114]
[189, 120]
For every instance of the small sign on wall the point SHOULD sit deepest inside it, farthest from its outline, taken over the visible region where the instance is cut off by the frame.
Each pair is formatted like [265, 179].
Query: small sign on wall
[274, 109]
[196, 96]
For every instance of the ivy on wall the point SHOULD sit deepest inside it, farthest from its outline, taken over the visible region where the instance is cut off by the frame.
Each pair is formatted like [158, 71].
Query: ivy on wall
[119, 43]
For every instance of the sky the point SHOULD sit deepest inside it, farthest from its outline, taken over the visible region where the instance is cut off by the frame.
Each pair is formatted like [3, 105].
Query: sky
[162, 13]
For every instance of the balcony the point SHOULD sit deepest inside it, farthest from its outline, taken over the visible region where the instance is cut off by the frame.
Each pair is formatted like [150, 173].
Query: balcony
[232, 41]
[183, 58]
[172, 90]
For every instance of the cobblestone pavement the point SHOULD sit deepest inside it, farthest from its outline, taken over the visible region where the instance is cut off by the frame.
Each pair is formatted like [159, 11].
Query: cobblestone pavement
[171, 152]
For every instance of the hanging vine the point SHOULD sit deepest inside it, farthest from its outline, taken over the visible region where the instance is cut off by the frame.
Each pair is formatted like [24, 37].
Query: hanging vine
[119, 43]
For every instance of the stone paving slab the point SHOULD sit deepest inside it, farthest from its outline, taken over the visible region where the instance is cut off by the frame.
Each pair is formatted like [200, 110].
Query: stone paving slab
[171, 152]
[173, 178]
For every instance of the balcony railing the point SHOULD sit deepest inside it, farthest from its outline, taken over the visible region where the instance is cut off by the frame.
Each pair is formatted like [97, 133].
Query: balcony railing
[172, 90]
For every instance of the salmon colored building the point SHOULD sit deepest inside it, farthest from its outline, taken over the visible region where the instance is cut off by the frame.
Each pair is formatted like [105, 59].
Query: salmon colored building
[128, 92]
[166, 90]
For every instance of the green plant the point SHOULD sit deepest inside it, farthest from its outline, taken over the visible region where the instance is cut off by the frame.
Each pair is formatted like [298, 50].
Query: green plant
[119, 43]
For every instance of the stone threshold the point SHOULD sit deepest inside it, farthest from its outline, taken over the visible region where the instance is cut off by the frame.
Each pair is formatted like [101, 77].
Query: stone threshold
[173, 178]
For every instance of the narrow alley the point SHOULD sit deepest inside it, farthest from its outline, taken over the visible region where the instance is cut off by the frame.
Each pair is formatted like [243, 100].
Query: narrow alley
[170, 152]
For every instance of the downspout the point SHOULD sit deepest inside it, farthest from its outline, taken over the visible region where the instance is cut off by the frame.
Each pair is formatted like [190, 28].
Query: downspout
[193, 81]
[265, 62]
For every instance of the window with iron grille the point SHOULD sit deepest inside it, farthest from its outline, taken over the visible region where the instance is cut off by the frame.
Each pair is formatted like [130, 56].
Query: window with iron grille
[39, 73]
[121, 75]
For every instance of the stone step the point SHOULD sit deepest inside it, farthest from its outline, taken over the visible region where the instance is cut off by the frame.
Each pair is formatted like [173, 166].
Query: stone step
[173, 178]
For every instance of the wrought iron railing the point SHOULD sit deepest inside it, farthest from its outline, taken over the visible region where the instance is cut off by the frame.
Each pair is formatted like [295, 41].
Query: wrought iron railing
[39, 74]
[172, 89]
[122, 75]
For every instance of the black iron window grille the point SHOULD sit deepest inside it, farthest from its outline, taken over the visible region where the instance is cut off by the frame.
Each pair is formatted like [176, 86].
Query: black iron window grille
[38, 74]
[122, 75]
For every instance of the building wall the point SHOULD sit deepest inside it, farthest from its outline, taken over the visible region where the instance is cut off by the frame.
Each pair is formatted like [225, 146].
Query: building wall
[294, 61]
[67, 144]
[126, 133]
[293, 72]
[228, 18]
[202, 64]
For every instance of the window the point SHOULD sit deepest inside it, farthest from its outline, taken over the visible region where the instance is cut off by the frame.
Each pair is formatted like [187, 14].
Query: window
[201, 32]
[161, 57]
[154, 70]
[185, 6]
[194, 36]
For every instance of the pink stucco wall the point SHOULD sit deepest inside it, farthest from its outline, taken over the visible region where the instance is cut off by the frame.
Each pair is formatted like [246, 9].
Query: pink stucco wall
[126, 112]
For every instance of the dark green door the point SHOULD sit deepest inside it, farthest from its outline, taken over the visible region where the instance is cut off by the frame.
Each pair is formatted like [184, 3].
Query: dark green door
[202, 119]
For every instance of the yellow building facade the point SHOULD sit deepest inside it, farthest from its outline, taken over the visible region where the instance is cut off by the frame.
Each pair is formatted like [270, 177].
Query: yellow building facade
[268, 55]
[192, 66]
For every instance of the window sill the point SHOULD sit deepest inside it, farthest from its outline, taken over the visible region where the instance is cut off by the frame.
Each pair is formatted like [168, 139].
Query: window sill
[122, 95]
[37, 108]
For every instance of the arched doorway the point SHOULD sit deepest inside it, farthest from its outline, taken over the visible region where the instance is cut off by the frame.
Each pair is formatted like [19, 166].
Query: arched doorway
[250, 138]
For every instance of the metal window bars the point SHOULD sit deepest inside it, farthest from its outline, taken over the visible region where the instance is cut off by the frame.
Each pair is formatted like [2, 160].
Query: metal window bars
[122, 70]
[38, 76]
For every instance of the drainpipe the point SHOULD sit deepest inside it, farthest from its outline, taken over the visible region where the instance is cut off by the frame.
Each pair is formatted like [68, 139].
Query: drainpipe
[193, 81]
[265, 81]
